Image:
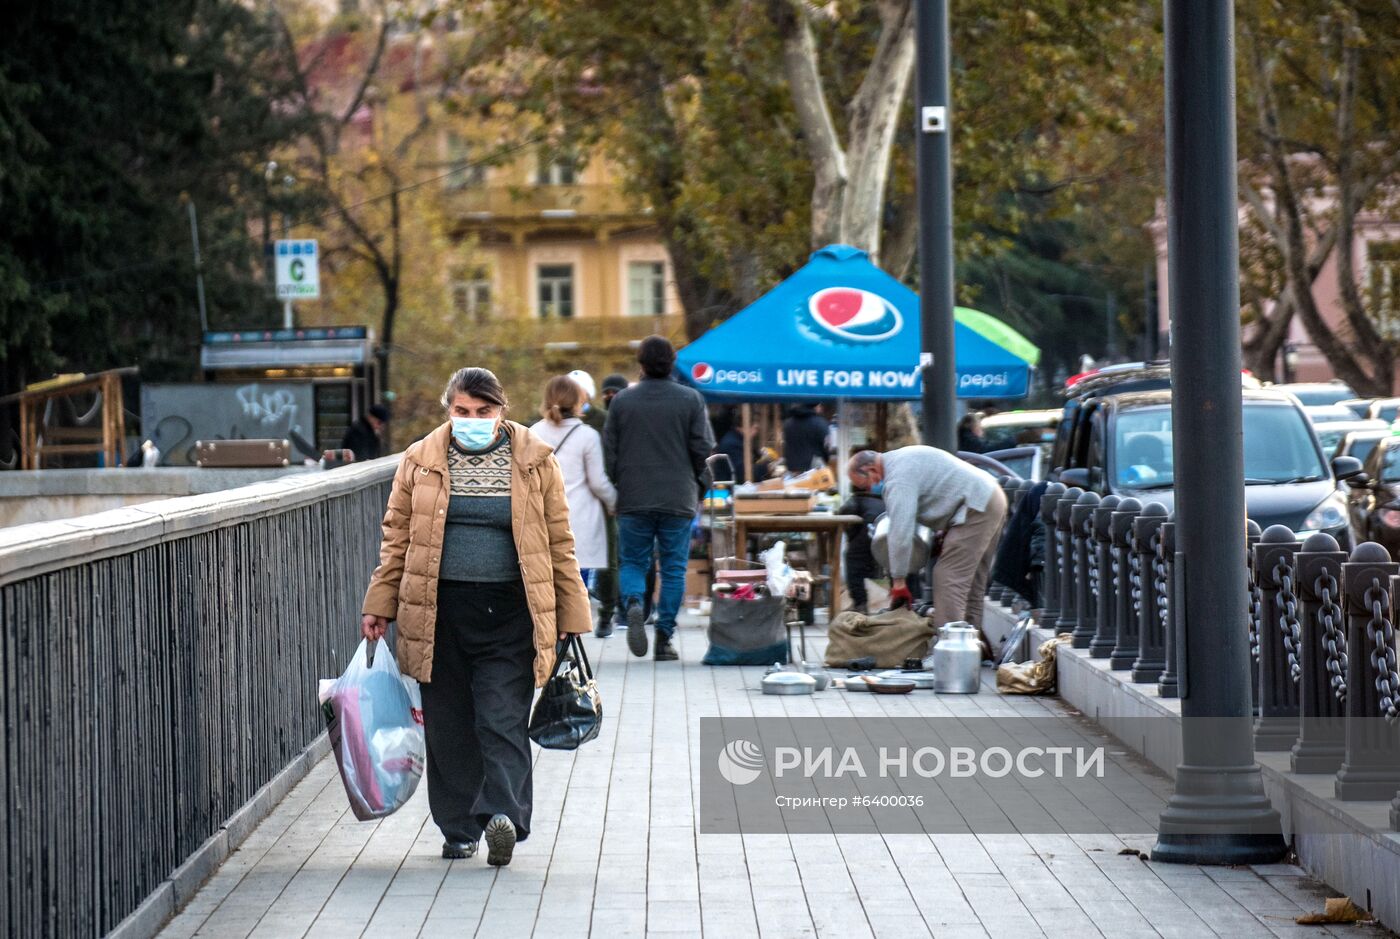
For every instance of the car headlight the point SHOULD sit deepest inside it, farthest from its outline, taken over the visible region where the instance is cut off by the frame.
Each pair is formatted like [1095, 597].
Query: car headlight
[1330, 513]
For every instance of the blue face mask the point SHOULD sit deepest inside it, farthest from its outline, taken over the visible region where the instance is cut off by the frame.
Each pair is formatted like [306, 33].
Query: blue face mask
[878, 489]
[586, 408]
[474, 433]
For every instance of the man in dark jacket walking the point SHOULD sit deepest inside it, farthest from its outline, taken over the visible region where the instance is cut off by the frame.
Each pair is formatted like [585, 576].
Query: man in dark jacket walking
[804, 439]
[654, 448]
[363, 437]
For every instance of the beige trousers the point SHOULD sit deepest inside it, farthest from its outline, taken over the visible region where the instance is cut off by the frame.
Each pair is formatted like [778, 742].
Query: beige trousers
[960, 576]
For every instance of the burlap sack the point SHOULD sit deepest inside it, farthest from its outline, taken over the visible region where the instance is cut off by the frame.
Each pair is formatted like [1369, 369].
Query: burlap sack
[891, 637]
[1037, 677]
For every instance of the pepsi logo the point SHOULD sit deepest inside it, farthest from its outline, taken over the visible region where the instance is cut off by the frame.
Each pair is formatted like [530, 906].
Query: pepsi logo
[854, 314]
[702, 372]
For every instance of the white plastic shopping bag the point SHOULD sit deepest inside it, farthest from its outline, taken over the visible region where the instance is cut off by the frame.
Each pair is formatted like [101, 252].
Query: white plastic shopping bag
[374, 716]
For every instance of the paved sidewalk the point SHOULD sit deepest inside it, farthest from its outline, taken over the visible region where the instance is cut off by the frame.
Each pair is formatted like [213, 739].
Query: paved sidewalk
[615, 853]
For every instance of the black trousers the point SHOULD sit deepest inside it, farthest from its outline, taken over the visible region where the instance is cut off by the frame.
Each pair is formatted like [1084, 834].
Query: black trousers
[477, 707]
[859, 566]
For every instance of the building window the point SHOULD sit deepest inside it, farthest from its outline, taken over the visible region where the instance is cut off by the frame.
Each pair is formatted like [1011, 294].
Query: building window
[1383, 272]
[557, 169]
[556, 290]
[646, 288]
[471, 296]
[462, 172]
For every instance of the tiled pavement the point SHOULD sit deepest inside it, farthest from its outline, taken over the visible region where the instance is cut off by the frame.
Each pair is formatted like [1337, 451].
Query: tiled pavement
[614, 851]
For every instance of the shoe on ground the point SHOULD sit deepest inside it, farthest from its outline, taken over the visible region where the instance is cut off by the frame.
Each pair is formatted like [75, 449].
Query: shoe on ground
[604, 629]
[500, 841]
[636, 630]
[458, 850]
[665, 652]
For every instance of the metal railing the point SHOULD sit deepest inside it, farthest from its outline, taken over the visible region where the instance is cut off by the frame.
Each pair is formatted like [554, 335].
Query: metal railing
[1324, 652]
[158, 666]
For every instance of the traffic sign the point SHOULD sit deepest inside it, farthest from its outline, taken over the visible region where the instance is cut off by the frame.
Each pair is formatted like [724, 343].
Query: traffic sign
[298, 276]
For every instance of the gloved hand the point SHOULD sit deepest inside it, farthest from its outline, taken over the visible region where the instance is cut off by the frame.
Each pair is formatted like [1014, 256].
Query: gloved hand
[900, 596]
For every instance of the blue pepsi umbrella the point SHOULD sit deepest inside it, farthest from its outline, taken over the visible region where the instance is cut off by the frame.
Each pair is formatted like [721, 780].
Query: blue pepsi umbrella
[842, 328]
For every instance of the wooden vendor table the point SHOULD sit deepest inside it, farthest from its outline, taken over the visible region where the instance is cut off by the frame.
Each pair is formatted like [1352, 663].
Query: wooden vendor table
[827, 527]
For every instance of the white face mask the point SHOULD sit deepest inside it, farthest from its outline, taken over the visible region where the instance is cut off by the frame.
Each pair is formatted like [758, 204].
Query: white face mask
[475, 433]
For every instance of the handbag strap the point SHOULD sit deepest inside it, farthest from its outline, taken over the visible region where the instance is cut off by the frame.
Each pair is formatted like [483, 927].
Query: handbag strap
[560, 445]
[574, 653]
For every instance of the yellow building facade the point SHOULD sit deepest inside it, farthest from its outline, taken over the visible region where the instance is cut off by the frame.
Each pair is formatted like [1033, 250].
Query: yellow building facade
[556, 243]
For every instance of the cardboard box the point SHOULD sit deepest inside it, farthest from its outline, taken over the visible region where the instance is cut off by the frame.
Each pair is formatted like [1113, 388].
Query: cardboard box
[697, 578]
[776, 503]
[816, 480]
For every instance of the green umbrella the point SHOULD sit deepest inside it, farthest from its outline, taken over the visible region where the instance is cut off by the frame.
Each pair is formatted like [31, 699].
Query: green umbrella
[994, 330]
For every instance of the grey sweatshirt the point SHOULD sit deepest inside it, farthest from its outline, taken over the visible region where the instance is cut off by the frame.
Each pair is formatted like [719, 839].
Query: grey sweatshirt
[929, 486]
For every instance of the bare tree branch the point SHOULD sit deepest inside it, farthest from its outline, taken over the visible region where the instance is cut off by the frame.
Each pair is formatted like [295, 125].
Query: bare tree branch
[809, 100]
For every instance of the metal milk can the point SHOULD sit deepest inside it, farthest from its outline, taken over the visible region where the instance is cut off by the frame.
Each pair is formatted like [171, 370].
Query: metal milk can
[957, 660]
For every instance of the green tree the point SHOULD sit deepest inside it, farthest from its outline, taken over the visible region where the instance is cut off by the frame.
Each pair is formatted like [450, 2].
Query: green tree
[112, 116]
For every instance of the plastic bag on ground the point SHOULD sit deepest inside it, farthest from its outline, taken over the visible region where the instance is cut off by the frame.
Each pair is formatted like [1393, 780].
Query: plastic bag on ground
[374, 716]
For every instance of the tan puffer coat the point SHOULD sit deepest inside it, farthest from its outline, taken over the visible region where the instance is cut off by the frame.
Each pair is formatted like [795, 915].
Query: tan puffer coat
[404, 585]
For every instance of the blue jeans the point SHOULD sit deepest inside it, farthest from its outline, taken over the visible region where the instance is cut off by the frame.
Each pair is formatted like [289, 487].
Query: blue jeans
[636, 535]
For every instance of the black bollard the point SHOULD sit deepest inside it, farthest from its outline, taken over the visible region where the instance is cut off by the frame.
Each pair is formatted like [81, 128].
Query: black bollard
[1322, 686]
[1252, 533]
[1050, 573]
[1276, 728]
[1371, 766]
[1164, 571]
[1081, 531]
[1069, 610]
[1105, 579]
[1125, 644]
[1152, 653]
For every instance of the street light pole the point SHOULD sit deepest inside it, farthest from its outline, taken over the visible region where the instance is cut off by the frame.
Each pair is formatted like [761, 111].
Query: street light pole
[935, 196]
[1218, 813]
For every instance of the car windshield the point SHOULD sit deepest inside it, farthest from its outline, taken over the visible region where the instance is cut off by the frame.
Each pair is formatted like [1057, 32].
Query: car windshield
[1277, 447]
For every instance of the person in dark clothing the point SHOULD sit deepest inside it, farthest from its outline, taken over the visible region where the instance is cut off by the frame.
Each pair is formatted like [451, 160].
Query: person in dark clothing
[722, 420]
[804, 439]
[363, 438]
[859, 560]
[654, 449]
[732, 446]
[971, 437]
[1021, 557]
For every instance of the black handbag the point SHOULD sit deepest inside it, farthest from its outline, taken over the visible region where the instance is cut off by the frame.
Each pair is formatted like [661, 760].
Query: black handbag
[570, 710]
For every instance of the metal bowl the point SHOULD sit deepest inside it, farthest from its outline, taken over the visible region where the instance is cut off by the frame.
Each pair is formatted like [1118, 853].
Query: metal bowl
[789, 683]
[922, 679]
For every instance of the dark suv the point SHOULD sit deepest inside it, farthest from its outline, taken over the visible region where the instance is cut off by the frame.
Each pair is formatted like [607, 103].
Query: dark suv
[1122, 443]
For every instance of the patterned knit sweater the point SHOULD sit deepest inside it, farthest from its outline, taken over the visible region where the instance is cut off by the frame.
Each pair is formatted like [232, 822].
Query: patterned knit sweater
[478, 543]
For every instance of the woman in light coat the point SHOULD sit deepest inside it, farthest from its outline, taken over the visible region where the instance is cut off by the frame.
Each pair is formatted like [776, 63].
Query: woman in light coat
[477, 567]
[579, 450]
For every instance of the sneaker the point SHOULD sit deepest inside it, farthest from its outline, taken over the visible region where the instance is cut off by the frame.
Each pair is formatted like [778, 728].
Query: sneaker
[458, 850]
[636, 630]
[604, 629]
[665, 652]
[500, 841]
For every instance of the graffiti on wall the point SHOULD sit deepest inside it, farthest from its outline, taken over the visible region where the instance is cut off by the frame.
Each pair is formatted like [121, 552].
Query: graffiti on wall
[176, 416]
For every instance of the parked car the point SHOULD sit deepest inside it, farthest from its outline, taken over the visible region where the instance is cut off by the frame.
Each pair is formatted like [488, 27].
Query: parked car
[1126, 449]
[1007, 429]
[1361, 407]
[1330, 433]
[1359, 443]
[1384, 409]
[1314, 393]
[1328, 413]
[1025, 462]
[1081, 390]
[1373, 506]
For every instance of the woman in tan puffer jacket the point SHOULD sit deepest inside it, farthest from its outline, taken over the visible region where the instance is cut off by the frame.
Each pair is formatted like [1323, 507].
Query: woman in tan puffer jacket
[477, 567]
